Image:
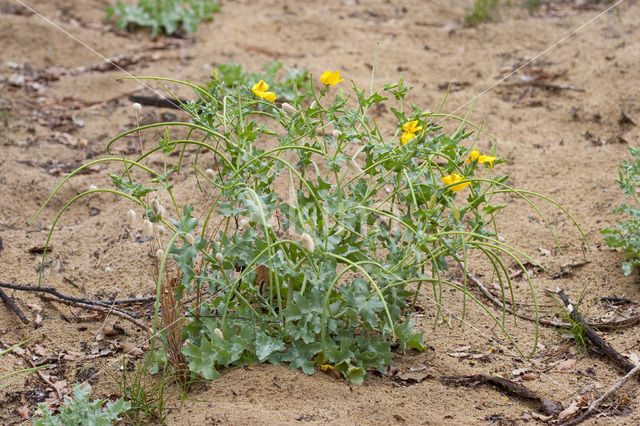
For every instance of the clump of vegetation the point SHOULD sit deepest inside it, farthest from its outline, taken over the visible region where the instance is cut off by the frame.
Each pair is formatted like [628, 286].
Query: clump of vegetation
[481, 11]
[82, 411]
[324, 226]
[168, 16]
[626, 235]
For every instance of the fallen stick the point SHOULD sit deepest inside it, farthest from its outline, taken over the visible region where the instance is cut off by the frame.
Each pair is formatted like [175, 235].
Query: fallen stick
[620, 360]
[594, 405]
[548, 406]
[98, 308]
[9, 301]
[55, 292]
[612, 325]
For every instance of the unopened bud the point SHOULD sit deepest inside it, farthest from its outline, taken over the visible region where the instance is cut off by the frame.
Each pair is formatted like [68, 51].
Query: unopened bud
[307, 242]
[155, 206]
[336, 133]
[243, 223]
[210, 173]
[93, 188]
[160, 253]
[289, 109]
[218, 333]
[189, 239]
[220, 258]
[136, 107]
[131, 217]
[147, 228]
[161, 212]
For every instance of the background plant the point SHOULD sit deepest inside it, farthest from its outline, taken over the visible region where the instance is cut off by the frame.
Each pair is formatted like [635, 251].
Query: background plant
[168, 16]
[626, 235]
[327, 272]
[82, 411]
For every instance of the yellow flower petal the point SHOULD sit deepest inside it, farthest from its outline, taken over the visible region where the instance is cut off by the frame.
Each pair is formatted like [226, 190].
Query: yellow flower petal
[411, 127]
[487, 159]
[453, 178]
[260, 86]
[326, 367]
[329, 78]
[473, 155]
[406, 137]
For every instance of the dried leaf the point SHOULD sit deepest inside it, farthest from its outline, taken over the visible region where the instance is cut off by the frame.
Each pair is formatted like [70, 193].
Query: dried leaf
[569, 411]
[23, 412]
[566, 365]
[131, 349]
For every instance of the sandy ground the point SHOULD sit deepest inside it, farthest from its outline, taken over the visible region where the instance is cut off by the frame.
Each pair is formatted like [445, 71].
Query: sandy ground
[563, 136]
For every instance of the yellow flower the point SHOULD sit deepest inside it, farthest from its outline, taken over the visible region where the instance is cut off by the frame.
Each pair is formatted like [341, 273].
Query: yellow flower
[487, 159]
[326, 367]
[473, 155]
[453, 178]
[411, 127]
[406, 137]
[260, 90]
[329, 78]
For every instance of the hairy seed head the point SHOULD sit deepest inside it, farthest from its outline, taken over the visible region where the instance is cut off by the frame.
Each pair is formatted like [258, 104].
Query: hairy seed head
[243, 223]
[136, 107]
[210, 173]
[147, 228]
[159, 254]
[92, 187]
[189, 239]
[220, 258]
[155, 206]
[308, 242]
[131, 217]
[289, 109]
[218, 333]
[336, 133]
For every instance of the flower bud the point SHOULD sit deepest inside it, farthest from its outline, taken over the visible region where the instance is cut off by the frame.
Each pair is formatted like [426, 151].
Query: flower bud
[155, 206]
[307, 242]
[189, 239]
[336, 133]
[147, 228]
[131, 217]
[218, 333]
[220, 258]
[289, 109]
[243, 223]
[210, 173]
[159, 254]
[136, 107]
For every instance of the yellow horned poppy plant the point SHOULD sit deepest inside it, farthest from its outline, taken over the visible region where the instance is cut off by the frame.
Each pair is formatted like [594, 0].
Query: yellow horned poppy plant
[260, 90]
[329, 78]
[453, 178]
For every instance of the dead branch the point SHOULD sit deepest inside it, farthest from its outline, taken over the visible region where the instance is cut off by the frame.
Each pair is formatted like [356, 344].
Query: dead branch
[9, 301]
[594, 405]
[611, 325]
[548, 406]
[620, 360]
[53, 291]
[106, 310]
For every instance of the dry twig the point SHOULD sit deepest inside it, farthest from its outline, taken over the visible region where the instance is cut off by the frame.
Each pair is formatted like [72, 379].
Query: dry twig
[106, 310]
[594, 405]
[9, 301]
